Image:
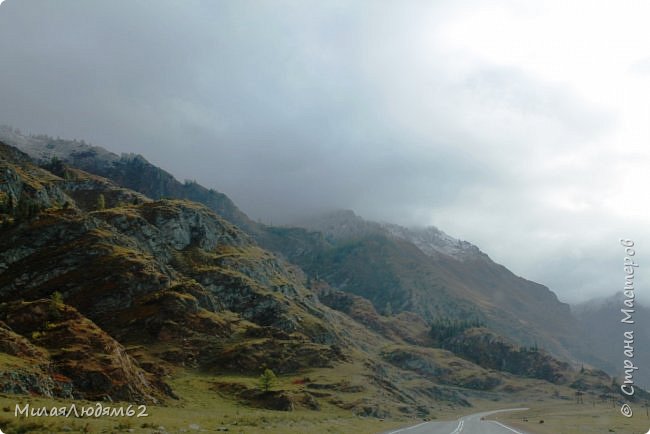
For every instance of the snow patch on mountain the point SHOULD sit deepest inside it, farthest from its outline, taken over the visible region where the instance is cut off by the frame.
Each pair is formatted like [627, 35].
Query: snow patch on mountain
[345, 224]
[432, 241]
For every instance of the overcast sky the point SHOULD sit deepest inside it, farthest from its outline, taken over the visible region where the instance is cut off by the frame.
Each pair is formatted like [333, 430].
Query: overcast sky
[523, 127]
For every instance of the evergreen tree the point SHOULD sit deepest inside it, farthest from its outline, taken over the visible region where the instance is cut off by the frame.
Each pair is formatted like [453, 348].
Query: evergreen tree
[101, 202]
[57, 299]
[267, 380]
[56, 302]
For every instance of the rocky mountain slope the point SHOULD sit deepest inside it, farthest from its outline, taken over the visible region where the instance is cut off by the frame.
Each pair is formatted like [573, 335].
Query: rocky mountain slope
[428, 272]
[140, 288]
[144, 271]
[424, 271]
[127, 170]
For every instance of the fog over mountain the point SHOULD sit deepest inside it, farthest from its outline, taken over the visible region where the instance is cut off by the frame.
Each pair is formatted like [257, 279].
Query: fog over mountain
[520, 128]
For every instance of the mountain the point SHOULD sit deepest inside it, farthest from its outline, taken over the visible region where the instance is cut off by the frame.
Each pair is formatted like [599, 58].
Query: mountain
[345, 224]
[424, 270]
[436, 276]
[108, 293]
[600, 321]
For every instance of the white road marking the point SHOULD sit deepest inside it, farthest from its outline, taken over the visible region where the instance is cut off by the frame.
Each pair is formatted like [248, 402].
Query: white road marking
[507, 427]
[459, 428]
[461, 422]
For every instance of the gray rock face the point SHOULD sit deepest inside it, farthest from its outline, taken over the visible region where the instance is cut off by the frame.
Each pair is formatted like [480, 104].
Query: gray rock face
[25, 383]
[414, 362]
[146, 236]
[181, 225]
[22, 184]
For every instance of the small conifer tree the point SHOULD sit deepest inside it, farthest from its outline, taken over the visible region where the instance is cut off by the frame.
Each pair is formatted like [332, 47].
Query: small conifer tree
[101, 202]
[56, 302]
[267, 380]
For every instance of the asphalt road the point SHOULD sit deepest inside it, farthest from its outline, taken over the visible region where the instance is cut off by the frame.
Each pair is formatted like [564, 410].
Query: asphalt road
[471, 424]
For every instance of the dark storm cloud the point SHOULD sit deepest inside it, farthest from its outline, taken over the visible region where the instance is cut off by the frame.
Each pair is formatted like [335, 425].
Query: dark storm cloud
[267, 101]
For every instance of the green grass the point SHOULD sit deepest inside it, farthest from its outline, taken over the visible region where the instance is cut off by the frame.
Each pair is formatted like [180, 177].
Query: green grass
[199, 404]
[572, 418]
[9, 362]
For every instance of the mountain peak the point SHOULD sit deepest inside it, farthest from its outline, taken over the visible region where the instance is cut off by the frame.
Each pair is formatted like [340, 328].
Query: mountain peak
[432, 241]
[344, 224]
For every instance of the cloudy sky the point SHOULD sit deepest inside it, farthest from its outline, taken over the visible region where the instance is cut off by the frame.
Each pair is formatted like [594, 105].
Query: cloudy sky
[523, 127]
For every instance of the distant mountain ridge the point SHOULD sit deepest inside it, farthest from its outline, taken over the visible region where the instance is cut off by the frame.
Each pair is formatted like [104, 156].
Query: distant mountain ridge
[342, 224]
[600, 320]
[428, 272]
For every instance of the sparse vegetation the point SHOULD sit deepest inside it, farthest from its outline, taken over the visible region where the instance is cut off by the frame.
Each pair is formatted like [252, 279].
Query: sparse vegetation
[267, 380]
[445, 328]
